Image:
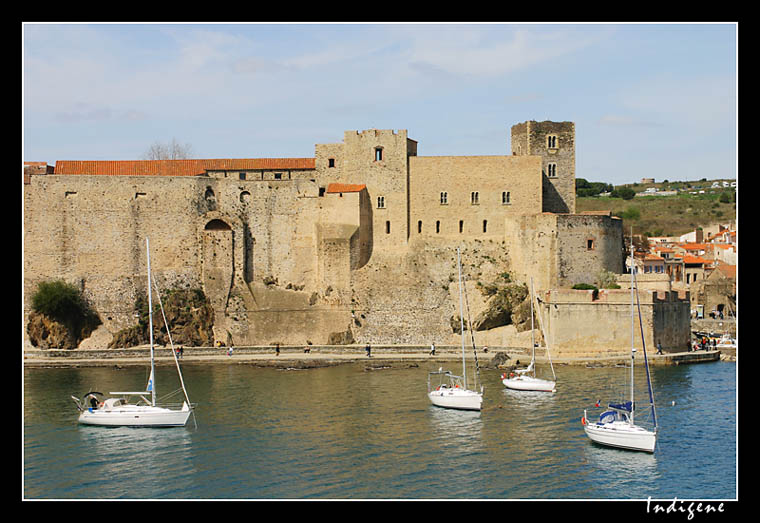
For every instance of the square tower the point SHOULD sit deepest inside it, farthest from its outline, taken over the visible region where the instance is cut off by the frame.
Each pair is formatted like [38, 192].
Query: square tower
[554, 142]
[379, 159]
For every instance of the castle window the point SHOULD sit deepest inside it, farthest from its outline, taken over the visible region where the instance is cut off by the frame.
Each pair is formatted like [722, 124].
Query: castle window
[378, 154]
[241, 176]
[505, 198]
[278, 176]
[444, 198]
[321, 191]
[474, 197]
[551, 169]
[331, 162]
[437, 226]
[590, 244]
[485, 225]
[461, 226]
[419, 227]
[387, 227]
[551, 141]
[381, 202]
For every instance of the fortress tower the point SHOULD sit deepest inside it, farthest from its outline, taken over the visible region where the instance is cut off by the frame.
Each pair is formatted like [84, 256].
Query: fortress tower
[554, 142]
[378, 159]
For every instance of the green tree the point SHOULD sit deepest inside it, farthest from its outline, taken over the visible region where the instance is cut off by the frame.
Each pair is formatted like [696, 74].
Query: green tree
[626, 193]
[62, 302]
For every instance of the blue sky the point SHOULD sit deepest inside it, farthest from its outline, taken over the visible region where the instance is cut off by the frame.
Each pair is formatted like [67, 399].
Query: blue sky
[648, 100]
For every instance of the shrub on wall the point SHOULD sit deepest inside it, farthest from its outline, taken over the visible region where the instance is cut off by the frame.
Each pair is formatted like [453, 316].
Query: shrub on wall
[63, 303]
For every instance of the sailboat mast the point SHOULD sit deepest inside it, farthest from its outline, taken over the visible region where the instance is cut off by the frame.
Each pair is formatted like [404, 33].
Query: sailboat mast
[461, 317]
[633, 349]
[150, 316]
[532, 334]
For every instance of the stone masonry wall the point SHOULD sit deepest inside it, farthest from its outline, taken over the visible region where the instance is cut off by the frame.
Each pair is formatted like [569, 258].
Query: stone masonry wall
[554, 142]
[579, 325]
[475, 192]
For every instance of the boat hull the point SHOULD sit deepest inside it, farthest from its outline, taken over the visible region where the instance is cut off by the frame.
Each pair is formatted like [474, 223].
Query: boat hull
[529, 383]
[136, 416]
[622, 435]
[456, 399]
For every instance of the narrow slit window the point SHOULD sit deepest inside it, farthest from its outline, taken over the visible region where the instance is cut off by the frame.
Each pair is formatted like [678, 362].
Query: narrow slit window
[387, 227]
[461, 226]
[444, 198]
[381, 202]
[474, 197]
[419, 227]
[505, 197]
[378, 154]
[437, 226]
[485, 225]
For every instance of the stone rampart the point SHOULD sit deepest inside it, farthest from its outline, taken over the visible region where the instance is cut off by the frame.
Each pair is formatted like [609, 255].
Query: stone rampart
[582, 322]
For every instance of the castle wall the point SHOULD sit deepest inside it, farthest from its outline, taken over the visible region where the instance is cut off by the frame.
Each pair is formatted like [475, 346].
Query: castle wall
[476, 193]
[577, 324]
[561, 250]
[227, 237]
[283, 260]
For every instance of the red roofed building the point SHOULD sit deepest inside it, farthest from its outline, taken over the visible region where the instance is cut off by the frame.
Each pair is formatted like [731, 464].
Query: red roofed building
[693, 268]
[180, 167]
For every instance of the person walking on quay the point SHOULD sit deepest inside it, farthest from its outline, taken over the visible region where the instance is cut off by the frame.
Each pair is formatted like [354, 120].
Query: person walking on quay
[432, 349]
[277, 349]
[659, 348]
[368, 349]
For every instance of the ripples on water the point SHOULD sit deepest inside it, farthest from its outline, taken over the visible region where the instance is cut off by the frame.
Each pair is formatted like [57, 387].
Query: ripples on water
[348, 433]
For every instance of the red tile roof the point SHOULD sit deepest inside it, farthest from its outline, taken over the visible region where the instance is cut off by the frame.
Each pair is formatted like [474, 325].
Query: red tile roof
[176, 167]
[345, 187]
[693, 259]
[729, 271]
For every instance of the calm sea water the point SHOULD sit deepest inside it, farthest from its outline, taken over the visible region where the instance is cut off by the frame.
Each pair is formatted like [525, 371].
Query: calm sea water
[349, 433]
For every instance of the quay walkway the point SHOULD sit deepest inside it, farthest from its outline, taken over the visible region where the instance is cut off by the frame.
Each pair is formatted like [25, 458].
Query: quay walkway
[324, 355]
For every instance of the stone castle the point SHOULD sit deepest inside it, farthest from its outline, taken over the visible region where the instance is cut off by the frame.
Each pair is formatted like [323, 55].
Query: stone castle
[355, 245]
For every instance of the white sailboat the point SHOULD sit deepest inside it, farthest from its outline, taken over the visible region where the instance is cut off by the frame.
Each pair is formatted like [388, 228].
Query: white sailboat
[616, 427]
[451, 391]
[525, 379]
[118, 411]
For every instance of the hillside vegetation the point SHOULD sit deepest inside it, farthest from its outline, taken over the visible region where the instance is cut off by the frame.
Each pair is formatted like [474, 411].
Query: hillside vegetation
[667, 215]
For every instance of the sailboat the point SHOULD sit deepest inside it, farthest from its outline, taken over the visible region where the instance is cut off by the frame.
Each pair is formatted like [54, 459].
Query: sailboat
[525, 379]
[616, 427]
[451, 391]
[118, 411]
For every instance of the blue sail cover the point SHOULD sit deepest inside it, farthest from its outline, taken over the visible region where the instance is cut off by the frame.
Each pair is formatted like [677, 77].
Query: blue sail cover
[627, 406]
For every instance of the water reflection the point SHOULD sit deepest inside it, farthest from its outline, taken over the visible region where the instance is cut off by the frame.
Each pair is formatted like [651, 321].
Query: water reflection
[139, 458]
